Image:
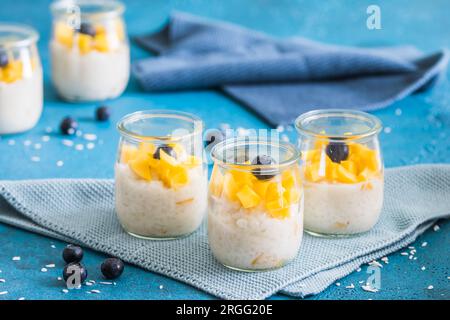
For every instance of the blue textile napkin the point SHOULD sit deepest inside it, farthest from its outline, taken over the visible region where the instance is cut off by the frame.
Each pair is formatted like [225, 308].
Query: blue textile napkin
[82, 211]
[279, 79]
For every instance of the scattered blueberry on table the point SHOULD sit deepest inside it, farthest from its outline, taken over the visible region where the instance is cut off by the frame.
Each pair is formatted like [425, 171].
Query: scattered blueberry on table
[102, 113]
[72, 253]
[112, 268]
[68, 126]
[70, 268]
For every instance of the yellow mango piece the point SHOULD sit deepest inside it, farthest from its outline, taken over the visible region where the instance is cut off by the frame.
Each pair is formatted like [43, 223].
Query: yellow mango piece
[1, 75]
[167, 160]
[287, 179]
[141, 168]
[331, 169]
[274, 191]
[192, 162]
[101, 42]
[276, 204]
[128, 153]
[260, 187]
[13, 71]
[178, 177]
[279, 213]
[345, 176]
[230, 187]
[64, 34]
[216, 182]
[99, 29]
[292, 195]
[312, 155]
[349, 166]
[84, 43]
[147, 148]
[248, 197]
[242, 177]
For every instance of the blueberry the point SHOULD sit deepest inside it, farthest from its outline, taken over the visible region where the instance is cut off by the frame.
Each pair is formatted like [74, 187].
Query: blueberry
[337, 151]
[213, 136]
[86, 28]
[167, 149]
[72, 253]
[68, 126]
[3, 59]
[102, 113]
[112, 268]
[264, 174]
[74, 268]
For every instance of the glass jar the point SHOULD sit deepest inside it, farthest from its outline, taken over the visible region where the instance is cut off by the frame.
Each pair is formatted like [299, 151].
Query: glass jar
[255, 205]
[90, 55]
[160, 174]
[21, 84]
[343, 171]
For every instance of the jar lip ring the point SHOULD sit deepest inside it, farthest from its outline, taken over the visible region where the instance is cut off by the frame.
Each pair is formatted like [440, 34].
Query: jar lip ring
[374, 129]
[28, 35]
[158, 113]
[237, 141]
[114, 8]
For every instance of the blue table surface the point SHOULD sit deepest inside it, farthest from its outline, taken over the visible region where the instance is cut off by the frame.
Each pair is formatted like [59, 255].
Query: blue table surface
[417, 130]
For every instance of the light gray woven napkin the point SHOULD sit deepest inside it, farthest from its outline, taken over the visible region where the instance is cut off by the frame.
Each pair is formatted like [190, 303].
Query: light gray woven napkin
[82, 211]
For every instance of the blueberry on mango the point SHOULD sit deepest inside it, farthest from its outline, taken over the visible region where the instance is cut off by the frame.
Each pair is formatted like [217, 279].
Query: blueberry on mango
[68, 126]
[264, 173]
[3, 59]
[102, 113]
[167, 149]
[337, 151]
[112, 268]
[75, 268]
[72, 253]
[86, 28]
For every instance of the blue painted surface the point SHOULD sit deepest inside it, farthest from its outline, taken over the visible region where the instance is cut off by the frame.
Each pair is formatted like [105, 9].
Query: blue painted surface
[419, 135]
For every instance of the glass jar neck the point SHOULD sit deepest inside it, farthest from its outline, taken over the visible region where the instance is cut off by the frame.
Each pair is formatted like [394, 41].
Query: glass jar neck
[78, 11]
[338, 125]
[15, 36]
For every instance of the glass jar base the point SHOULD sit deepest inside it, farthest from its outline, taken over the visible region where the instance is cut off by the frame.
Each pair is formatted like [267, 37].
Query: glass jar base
[252, 270]
[332, 235]
[158, 238]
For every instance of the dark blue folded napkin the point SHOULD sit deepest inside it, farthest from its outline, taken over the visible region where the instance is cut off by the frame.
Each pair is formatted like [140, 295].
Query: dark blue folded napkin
[280, 78]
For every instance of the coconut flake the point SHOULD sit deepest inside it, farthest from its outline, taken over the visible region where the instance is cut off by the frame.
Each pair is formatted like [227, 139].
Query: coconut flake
[436, 228]
[90, 136]
[369, 288]
[351, 286]
[17, 258]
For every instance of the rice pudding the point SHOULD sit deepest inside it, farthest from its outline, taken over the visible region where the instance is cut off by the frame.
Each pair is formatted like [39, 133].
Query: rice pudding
[91, 61]
[255, 217]
[21, 83]
[343, 184]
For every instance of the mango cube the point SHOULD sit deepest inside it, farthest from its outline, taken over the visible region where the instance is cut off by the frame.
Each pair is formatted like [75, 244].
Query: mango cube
[128, 153]
[64, 34]
[101, 42]
[141, 168]
[248, 197]
[84, 43]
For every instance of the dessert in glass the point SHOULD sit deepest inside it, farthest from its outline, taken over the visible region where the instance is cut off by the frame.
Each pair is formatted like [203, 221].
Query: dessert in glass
[255, 205]
[343, 171]
[90, 55]
[160, 174]
[21, 84]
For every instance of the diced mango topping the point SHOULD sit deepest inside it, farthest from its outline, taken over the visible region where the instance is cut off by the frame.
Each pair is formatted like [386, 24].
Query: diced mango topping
[274, 196]
[68, 36]
[172, 172]
[361, 164]
[12, 72]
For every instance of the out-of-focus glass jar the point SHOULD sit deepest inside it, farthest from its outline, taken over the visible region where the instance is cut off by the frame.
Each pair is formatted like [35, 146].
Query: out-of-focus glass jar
[255, 213]
[90, 55]
[343, 171]
[160, 174]
[21, 84]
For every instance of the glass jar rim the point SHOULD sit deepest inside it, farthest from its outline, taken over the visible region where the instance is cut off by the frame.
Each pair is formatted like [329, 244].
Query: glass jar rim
[158, 113]
[20, 35]
[305, 118]
[107, 8]
[239, 141]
